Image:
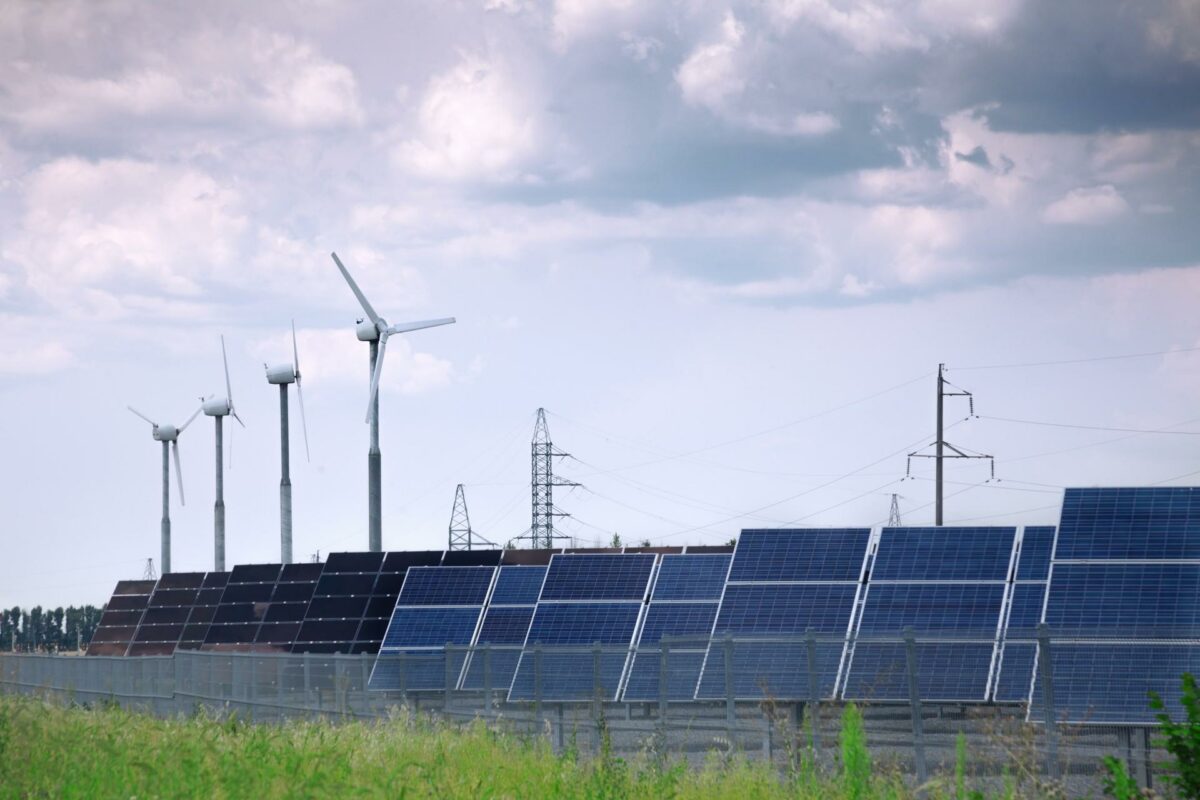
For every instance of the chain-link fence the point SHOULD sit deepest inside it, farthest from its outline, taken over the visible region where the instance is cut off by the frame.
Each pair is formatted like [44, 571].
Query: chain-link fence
[567, 695]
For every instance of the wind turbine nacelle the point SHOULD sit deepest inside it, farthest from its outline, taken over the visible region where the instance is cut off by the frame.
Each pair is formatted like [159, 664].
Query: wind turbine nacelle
[217, 407]
[366, 331]
[165, 433]
[281, 373]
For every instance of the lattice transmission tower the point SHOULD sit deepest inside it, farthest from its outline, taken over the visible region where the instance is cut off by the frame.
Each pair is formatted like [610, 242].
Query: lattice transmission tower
[894, 514]
[462, 537]
[149, 574]
[541, 529]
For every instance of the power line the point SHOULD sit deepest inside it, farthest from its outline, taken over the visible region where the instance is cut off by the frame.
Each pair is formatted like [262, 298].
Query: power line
[1092, 427]
[1082, 360]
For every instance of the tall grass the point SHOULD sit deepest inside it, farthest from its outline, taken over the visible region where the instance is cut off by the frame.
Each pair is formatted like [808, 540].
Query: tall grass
[51, 751]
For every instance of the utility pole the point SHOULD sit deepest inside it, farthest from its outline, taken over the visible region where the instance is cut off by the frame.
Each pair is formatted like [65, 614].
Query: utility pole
[541, 530]
[462, 537]
[940, 444]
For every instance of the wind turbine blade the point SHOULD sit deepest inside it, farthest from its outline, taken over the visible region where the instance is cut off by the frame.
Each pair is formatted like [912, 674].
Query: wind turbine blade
[239, 419]
[178, 470]
[228, 386]
[362, 300]
[295, 351]
[143, 416]
[375, 375]
[231, 445]
[183, 427]
[303, 421]
[405, 327]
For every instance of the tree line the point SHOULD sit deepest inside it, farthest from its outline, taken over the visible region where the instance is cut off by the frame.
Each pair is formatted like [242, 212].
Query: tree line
[47, 630]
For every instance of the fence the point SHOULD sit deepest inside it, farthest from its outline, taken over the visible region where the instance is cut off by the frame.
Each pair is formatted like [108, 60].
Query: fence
[915, 736]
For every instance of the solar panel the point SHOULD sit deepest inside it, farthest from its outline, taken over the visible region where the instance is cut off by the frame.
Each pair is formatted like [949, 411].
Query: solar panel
[691, 577]
[242, 607]
[587, 598]
[814, 554]
[437, 606]
[782, 584]
[202, 612]
[1037, 542]
[121, 618]
[505, 625]
[167, 611]
[943, 554]
[381, 601]
[472, 558]
[950, 586]
[1120, 602]
[518, 585]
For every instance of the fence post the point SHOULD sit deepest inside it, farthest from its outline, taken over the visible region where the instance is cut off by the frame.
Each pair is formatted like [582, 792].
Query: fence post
[307, 680]
[449, 677]
[730, 707]
[1046, 673]
[664, 655]
[537, 684]
[814, 695]
[365, 677]
[914, 696]
[489, 698]
[597, 692]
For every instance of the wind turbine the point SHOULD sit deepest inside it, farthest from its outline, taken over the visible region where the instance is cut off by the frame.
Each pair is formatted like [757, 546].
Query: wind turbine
[282, 375]
[375, 330]
[169, 436]
[218, 408]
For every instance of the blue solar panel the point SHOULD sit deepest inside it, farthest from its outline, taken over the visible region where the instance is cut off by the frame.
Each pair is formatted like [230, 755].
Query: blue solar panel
[785, 609]
[568, 676]
[518, 585]
[1034, 562]
[691, 620]
[1121, 600]
[1109, 683]
[944, 554]
[691, 577]
[805, 554]
[1026, 611]
[1134, 523]
[503, 664]
[583, 623]
[415, 670]
[1016, 672]
[933, 608]
[430, 627]
[445, 586]
[778, 670]
[946, 671]
[606, 576]
[505, 626]
[683, 669]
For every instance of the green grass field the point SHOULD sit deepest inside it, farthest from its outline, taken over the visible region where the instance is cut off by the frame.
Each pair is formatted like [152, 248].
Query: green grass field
[55, 752]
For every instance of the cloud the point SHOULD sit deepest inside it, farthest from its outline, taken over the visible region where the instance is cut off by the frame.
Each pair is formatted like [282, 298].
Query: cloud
[868, 27]
[210, 76]
[337, 357]
[94, 234]
[475, 122]
[27, 351]
[1087, 206]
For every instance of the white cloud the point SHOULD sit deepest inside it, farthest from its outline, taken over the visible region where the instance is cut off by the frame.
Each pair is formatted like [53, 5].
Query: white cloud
[206, 76]
[337, 357]
[711, 75]
[27, 351]
[867, 27]
[1087, 206]
[575, 19]
[475, 122]
[96, 232]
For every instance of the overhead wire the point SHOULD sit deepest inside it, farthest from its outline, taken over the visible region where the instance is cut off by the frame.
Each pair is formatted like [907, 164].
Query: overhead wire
[1138, 431]
[1062, 362]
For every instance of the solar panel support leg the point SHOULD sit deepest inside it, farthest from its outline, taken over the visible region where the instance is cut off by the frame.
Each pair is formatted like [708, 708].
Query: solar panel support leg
[814, 696]
[1046, 675]
[914, 696]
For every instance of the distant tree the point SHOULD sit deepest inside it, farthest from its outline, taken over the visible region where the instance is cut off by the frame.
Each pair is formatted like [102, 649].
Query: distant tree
[645, 543]
[732, 542]
[616, 541]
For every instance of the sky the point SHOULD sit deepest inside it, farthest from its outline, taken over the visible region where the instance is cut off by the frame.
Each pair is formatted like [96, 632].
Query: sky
[724, 245]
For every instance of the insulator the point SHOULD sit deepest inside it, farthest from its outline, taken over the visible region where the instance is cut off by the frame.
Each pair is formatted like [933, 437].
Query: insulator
[908, 468]
[993, 469]
[971, 403]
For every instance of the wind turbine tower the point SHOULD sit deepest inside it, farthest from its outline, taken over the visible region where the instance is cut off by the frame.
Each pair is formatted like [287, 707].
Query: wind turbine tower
[169, 436]
[375, 330]
[218, 408]
[282, 375]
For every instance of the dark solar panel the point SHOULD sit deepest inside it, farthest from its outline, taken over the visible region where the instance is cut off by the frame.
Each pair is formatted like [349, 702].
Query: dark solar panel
[123, 613]
[472, 558]
[812, 554]
[532, 558]
[345, 584]
[216, 580]
[403, 559]
[255, 573]
[691, 577]
[944, 554]
[598, 577]
[353, 562]
[301, 573]
[181, 580]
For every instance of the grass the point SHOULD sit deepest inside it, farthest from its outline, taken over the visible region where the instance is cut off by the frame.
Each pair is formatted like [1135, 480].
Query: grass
[55, 752]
